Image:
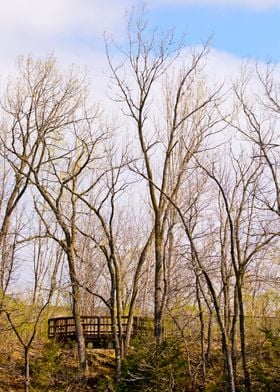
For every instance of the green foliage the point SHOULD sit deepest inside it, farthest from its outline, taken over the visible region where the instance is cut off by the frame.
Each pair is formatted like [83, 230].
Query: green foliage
[46, 368]
[103, 384]
[266, 371]
[150, 367]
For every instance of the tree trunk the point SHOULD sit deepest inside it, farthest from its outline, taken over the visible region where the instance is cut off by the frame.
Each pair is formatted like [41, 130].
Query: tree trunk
[202, 334]
[233, 333]
[209, 337]
[158, 310]
[135, 288]
[116, 336]
[26, 369]
[77, 313]
[247, 379]
[229, 365]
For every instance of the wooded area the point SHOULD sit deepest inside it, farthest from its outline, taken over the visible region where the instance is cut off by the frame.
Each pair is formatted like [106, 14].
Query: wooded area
[164, 204]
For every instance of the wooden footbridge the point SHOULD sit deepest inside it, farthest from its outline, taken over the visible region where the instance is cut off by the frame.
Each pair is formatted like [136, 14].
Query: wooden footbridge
[97, 330]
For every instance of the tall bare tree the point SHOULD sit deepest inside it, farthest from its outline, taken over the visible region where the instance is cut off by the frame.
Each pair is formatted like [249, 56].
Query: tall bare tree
[50, 142]
[25, 311]
[172, 128]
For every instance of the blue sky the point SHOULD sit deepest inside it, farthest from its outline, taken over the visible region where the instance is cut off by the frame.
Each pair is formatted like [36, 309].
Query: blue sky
[244, 32]
[73, 29]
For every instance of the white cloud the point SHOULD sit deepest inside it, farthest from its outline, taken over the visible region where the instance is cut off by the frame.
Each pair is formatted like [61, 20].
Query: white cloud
[223, 65]
[69, 28]
[253, 4]
[59, 16]
[72, 30]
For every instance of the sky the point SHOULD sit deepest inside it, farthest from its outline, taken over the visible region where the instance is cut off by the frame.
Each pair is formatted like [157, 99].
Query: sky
[73, 29]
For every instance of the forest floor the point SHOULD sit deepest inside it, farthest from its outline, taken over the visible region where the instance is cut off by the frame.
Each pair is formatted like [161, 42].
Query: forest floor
[55, 370]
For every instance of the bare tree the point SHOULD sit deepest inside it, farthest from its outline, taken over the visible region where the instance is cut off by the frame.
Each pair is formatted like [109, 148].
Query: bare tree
[189, 117]
[51, 141]
[13, 188]
[99, 197]
[25, 314]
[243, 235]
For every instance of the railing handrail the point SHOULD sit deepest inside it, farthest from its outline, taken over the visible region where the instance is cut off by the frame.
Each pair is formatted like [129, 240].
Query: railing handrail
[93, 326]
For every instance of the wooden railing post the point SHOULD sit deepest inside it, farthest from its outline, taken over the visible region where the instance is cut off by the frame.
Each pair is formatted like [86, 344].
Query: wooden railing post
[98, 326]
[135, 326]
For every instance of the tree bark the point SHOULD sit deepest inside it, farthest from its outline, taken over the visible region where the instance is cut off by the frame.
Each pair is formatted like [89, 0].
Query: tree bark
[77, 311]
[26, 369]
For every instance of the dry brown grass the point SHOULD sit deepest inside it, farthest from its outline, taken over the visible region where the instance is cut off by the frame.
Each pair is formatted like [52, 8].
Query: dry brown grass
[63, 376]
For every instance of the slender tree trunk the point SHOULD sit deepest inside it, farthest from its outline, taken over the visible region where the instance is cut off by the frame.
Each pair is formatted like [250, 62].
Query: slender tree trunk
[233, 333]
[229, 365]
[225, 342]
[134, 294]
[118, 350]
[77, 313]
[129, 329]
[158, 296]
[247, 379]
[209, 337]
[119, 312]
[202, 334]
[116, 336]
[26, 369]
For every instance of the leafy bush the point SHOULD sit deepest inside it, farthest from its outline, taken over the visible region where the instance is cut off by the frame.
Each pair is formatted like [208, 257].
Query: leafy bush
[266, 372]
[46, 368]
[151, 367]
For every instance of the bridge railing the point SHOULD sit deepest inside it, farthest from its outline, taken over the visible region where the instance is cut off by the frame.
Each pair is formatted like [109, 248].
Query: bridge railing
[94, 327]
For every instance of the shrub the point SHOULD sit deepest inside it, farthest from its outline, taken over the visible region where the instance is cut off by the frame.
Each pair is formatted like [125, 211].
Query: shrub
[45, 368]
[152, 367]
[266, 372]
